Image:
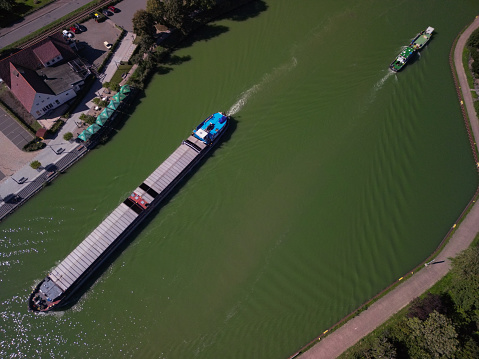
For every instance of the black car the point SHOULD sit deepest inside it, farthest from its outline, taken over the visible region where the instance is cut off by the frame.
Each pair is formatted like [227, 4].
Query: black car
[79, 27]
[107, 12]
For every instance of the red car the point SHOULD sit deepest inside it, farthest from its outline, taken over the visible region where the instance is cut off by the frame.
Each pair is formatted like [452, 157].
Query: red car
[74, 29]
[112, 9]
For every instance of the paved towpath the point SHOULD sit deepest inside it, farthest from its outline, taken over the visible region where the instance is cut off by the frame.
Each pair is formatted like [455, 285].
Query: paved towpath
[358, 327]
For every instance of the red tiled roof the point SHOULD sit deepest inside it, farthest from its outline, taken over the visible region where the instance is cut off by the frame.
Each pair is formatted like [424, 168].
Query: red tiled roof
[27, 59]
[46, 52]
[41, 132]
[21, 88]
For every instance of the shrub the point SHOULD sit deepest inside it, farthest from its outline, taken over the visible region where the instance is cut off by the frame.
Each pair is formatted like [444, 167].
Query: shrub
[87, 118]
[35, 164]
[474, 39]
[56, 126]
[34, 145]
[99, 102]
[68, 136]
[475, 67]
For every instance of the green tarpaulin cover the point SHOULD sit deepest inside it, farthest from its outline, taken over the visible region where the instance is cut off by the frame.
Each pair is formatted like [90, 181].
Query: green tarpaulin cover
[85, 135]
[125, 89]
[93, 128]
[100, 120]
[113, 105]
[119, 96]
[108, 112]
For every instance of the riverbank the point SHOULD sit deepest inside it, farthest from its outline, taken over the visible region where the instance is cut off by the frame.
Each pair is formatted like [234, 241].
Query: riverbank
[370, 317]
[23, 182]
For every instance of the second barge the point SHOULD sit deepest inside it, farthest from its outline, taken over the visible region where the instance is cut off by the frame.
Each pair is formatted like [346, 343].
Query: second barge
[58, 286]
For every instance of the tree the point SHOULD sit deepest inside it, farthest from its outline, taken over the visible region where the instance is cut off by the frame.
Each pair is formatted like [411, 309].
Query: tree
[465, 285]
[382, 348]
[143, 23]
[473, 40]
[68, 136]
[421, 308]
[155, 8]
[433, 338]
[470, 349]
[7, 5]
[87, 118]
[35, 164]
[177, 14]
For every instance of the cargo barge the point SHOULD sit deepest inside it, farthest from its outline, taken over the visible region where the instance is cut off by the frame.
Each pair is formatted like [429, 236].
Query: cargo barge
[417, 43]
[57, 287]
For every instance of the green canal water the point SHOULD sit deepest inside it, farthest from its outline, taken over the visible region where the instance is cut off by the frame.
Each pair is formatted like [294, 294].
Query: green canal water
[336, 179]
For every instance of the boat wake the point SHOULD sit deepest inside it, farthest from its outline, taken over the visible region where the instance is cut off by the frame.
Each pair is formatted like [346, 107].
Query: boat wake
[268, 78]
[378, 86]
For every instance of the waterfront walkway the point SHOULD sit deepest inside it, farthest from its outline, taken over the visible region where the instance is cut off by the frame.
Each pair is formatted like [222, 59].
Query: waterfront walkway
[23, 181]
[380, 311]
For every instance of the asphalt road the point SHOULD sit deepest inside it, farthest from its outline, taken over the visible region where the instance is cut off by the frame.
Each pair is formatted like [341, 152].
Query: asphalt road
[38, 19]
[60, 8]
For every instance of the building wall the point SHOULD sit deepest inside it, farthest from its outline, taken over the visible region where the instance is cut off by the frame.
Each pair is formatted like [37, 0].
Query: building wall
[46, 102]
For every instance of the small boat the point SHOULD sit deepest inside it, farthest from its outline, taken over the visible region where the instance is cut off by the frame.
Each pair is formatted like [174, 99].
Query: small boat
[422, 38]
[402, 58]
[209, 129]
[55, 290]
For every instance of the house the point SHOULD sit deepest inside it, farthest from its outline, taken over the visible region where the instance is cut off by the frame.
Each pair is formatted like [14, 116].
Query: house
[44, 75]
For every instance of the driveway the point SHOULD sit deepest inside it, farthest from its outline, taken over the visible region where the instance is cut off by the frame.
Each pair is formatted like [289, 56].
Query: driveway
[127, 10]
[91, 41]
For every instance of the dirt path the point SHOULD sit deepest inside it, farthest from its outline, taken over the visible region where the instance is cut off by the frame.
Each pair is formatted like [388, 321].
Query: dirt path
[358, 327]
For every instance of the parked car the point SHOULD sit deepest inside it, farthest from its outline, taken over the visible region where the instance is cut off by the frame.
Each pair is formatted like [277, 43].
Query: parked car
[95, 16]
[74, 30]
[107, 12]
[107, 45]
[67, 34]
[113, 9]
[79, 27]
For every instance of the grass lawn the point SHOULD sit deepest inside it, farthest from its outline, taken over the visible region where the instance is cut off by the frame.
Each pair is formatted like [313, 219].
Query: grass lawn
[122, 69]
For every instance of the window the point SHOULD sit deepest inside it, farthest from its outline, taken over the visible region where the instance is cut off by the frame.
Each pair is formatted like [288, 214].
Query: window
[58, 102]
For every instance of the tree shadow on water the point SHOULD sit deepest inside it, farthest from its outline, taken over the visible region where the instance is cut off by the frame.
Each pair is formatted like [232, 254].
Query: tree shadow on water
[206, 33]
[173, 60]
[247, 11]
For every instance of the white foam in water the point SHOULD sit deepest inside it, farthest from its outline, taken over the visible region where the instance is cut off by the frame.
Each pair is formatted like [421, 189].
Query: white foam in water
[264, 81]
[378, 86]
[381, 82]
